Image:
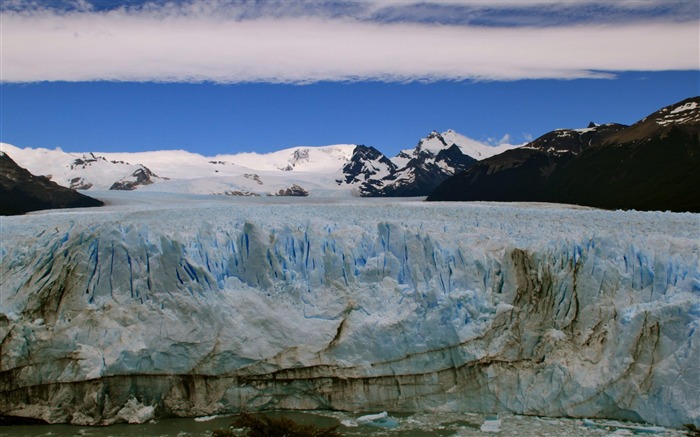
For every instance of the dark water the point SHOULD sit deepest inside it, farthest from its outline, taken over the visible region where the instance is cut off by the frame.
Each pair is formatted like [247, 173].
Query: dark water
[408, 425]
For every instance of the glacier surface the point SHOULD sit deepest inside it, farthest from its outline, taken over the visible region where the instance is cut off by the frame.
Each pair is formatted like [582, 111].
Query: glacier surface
[163, 304]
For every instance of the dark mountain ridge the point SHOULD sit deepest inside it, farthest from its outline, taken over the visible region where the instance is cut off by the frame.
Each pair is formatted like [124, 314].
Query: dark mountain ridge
[651, 165]
[23, 192]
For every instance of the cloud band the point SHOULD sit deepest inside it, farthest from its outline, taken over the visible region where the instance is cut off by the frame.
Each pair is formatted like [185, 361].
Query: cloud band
[125, 46]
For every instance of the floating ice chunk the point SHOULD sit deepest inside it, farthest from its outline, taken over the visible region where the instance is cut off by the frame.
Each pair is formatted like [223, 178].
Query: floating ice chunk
[362, 420]
[381, 420]
[349, 423]
[206, 418]
[491, 424]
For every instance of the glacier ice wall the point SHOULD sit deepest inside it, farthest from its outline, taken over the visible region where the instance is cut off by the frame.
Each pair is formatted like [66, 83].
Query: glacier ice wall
[358, 306]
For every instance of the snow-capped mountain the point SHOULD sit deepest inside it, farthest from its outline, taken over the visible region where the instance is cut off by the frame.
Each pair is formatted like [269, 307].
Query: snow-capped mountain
[519, 174]
[23, 192]
[366, 163]
[651, 165]
[417, 171]
[83, 171]
[343, 169]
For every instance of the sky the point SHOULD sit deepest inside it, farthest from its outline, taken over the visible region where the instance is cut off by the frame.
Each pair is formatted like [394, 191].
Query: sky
[228, 76]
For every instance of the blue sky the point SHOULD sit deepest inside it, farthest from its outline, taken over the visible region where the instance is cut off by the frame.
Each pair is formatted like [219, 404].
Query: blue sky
[224, 76]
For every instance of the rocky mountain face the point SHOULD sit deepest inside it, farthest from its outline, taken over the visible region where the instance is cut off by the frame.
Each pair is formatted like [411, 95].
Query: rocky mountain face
[22, 192]
[366, 164]
[651, 165]
[142, 176]
[423, 168]
[293, 191]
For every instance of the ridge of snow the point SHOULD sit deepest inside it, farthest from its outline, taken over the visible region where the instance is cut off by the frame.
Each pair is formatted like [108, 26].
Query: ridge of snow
[474, 148]
[315, 167]
[323, 159]
[433, 143]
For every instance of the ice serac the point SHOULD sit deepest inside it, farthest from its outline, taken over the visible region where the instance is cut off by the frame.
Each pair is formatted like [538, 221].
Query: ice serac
[203, 311]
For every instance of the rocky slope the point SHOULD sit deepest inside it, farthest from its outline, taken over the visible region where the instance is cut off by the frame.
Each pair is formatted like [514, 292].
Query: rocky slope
[22, 192]
[651, 165]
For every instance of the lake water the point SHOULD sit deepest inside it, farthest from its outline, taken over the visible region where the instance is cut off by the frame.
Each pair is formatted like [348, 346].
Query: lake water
[408, 425]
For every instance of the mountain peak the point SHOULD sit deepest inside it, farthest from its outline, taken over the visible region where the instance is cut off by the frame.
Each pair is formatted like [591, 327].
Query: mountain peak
[684, 115]
[433, 143]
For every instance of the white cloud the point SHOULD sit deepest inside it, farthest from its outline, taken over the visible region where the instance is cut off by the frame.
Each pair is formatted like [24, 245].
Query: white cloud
[505, 139]
[169, 45]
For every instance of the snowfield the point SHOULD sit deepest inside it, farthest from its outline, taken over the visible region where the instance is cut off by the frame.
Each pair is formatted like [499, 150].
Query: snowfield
[314, 168]
[168, 304]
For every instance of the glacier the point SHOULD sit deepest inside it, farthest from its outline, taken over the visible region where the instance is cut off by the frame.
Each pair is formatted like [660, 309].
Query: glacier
[171, 305]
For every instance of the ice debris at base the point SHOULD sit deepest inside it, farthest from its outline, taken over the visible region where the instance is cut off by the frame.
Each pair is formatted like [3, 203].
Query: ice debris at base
[135, 412]
[207, 418]
[417, 424]
[620, 432]
[380, 420]
[363, 420]
[200, 307]
[624, 427]
[491, 424]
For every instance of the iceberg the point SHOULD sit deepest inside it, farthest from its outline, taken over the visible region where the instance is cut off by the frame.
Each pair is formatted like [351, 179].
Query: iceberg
[379, 420]
[163, 305]
[491, 424]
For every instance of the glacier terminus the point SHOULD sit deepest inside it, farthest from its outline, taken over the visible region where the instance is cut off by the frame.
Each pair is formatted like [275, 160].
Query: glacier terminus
[189, 305]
